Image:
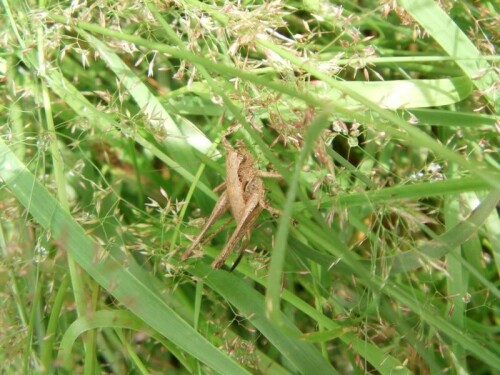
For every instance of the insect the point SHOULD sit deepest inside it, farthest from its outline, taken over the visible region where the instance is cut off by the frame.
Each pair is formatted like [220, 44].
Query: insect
[243, 194]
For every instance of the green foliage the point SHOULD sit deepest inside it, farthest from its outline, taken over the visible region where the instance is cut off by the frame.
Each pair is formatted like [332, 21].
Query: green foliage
[381, 119]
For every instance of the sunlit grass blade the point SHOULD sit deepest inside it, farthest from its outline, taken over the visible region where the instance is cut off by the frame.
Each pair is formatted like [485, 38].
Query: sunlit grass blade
[448, 118]
[445, 31]
[398, 94]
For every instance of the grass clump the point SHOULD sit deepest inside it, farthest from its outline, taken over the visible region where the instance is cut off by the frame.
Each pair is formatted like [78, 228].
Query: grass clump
[379, 115]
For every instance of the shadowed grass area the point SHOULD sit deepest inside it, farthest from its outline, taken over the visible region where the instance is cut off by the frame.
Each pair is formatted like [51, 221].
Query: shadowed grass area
[382, 252]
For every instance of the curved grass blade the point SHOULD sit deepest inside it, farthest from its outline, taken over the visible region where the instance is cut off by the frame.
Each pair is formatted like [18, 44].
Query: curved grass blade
[445, 31]
[100, 319]
[445, 243]
[399, 94]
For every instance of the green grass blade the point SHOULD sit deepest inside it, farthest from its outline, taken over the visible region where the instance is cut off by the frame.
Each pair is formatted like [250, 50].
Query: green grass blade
[457, 45]
[453, 238]
[448, 118]
[48, 346]
[98, 319]
[493, 234]
[399, 94]
[278, 254]
[403, 192]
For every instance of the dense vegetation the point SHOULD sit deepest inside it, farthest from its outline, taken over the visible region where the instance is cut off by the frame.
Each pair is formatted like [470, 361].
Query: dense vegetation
[381, 252]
